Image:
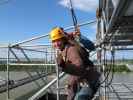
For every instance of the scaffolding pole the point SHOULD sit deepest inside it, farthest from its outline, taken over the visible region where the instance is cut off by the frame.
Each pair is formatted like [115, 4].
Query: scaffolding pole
[57, 73]
[8, 54]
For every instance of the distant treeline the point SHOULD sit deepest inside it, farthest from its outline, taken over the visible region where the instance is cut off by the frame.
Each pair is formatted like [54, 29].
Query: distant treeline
[39, 60]
[129, 61]
[118, 68]
[3, 67]
[25, 61]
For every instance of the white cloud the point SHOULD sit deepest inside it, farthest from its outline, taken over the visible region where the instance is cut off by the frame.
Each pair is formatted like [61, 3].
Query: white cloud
[84, 5]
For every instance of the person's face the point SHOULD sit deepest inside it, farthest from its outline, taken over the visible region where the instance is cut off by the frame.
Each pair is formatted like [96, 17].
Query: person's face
[58, 44]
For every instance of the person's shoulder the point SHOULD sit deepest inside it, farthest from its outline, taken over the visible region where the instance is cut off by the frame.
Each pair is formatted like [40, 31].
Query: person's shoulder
[72, 47]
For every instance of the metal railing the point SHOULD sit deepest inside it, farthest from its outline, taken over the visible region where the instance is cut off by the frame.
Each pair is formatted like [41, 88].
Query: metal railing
[40, 62]
[43, 91]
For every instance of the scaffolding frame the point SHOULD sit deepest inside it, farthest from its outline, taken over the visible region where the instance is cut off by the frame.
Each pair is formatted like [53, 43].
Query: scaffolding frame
[114, 32]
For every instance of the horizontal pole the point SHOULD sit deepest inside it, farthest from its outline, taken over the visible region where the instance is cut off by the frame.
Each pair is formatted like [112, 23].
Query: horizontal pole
[122, 83]
[4, 45]
[33, 64]
[46, 35]
[82, 24]
[34, 45]
[35, 50]
[29, 40]
[38, 45]
[124, 48]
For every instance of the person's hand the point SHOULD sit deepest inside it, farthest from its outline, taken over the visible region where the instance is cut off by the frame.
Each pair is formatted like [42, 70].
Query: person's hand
[77, 32]
[60, 61]
[67, 86]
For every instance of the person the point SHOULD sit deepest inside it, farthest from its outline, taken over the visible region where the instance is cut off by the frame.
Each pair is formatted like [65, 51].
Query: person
[73, 59]
[83, 41]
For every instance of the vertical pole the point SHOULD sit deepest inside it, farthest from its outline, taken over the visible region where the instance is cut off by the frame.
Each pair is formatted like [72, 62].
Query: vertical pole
[102, 29]
[104, 75]
[46, 71]
[99, 66]
[107, 10]
[104, 65]
[103, 46]
[57, 73]
[46, 62]
[8, 52]
[51, 61]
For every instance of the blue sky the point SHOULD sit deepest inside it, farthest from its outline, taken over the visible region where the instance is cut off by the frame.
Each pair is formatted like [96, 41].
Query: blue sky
[23, 19]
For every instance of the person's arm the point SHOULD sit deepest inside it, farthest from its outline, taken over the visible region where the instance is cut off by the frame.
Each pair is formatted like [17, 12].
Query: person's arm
[70, 35]
[74, 65]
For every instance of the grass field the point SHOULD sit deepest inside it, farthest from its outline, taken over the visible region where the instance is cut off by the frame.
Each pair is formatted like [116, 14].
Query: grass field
[117, 68]
[3, 67]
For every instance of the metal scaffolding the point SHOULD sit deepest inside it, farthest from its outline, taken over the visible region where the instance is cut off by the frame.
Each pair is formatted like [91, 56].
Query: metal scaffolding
[114, 32]
[30, 60]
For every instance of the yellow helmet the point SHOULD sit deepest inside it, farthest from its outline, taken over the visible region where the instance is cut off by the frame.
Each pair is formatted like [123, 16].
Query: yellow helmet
[56, 33]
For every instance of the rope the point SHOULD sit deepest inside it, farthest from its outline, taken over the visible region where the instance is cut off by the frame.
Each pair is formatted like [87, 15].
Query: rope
[111, 68]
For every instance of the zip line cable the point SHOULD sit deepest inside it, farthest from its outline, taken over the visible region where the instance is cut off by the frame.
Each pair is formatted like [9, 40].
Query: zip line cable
[81, 24]
[75, 23]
